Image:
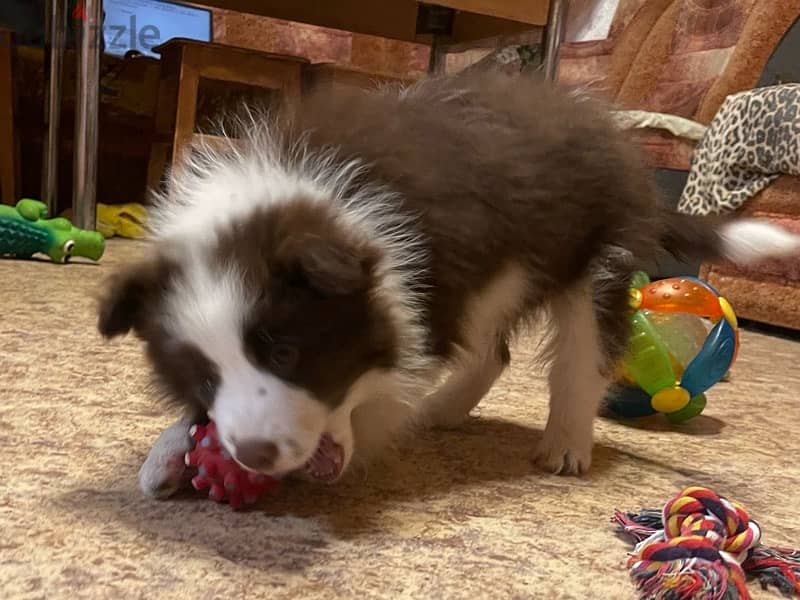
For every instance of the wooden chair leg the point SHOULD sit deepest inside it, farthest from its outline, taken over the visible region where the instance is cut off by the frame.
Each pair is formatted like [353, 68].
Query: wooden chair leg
[159, 158]
[186, 112]
[9, 149]
[182, 67]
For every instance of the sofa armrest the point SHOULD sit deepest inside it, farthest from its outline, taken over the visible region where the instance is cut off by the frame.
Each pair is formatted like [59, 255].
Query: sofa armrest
[769, 292]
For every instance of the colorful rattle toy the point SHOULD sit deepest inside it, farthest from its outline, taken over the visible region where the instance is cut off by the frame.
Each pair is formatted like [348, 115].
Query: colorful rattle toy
[672, 359]
[25, 230]
[222, 476]
[702, 546]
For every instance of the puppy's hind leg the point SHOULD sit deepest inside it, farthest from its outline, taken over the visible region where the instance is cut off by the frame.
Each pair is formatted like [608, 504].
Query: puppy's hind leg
[591, 329]
[472, 377]
[489, 318]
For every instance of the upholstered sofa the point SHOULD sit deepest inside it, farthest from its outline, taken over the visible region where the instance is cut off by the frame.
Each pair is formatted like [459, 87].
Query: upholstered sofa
[683, 58]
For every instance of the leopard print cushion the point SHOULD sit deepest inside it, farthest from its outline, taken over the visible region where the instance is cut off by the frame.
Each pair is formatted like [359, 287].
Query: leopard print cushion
[754, 138]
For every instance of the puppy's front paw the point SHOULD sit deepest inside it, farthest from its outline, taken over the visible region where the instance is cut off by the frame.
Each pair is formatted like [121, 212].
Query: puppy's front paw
[561, 455]
[162, 477]
[164, 471]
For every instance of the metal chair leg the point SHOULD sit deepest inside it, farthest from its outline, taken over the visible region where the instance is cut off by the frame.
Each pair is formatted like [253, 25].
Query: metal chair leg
[553, 35]
[84, 195]
[56, 19]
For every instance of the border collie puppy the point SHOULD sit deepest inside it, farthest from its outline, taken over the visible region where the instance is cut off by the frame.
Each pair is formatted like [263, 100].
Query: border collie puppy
[309, 285]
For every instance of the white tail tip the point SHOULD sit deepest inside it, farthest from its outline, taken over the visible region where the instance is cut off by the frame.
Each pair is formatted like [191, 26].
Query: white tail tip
[750, 241]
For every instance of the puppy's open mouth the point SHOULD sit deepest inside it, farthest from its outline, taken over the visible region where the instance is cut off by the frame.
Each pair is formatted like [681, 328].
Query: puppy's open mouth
[327, 461]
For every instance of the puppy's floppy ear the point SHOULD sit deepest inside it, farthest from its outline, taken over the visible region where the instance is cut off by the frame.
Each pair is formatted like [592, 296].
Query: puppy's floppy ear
[129, 297]
[331, 267]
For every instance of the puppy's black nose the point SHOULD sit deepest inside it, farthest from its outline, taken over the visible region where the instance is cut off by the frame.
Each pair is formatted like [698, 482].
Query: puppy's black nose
[258, 455]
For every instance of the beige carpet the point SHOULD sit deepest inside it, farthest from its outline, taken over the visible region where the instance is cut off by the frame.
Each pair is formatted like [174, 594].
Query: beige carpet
[460, 515]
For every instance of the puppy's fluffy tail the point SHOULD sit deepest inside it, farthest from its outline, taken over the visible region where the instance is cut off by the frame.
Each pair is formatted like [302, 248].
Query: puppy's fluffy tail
[741, 241]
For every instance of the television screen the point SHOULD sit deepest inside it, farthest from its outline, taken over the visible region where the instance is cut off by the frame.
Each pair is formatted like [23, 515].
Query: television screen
[144, 24]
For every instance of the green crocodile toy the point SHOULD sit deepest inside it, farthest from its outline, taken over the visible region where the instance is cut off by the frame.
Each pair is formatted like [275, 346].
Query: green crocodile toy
[25, 230]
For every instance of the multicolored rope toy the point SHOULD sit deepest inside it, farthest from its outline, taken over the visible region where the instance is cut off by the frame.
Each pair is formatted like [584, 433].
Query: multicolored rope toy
[672, 359]
[702, 546]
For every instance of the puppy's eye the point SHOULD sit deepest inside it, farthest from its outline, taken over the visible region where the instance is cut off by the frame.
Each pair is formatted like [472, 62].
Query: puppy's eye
[259, 341]
[283, 357]
[206, 391]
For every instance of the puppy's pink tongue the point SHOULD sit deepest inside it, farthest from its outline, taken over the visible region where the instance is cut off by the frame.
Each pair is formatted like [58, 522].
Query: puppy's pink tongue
[326, 463]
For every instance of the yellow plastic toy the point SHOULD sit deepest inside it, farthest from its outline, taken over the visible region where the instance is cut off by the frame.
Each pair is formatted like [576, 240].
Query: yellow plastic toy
[124, 220]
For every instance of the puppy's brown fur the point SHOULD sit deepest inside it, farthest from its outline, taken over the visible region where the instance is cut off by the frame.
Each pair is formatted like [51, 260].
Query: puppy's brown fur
[497, 169]
[513, 198]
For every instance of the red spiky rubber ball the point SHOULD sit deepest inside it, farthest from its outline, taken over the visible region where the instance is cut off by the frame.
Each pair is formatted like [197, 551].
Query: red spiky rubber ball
[223, 477]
